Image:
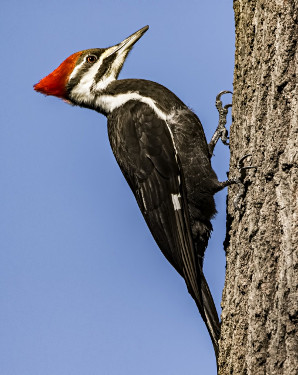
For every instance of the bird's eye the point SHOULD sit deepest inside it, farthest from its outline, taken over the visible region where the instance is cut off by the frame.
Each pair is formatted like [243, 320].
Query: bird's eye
[91, 59]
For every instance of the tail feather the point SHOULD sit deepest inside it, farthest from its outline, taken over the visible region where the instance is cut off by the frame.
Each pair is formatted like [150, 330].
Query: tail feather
[210, 313]
[207, 309]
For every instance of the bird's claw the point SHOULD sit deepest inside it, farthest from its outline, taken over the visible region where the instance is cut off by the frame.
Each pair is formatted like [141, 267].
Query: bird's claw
[221, 131]
[219, 95]
[240, 180]
[218, 102]
[224, 137]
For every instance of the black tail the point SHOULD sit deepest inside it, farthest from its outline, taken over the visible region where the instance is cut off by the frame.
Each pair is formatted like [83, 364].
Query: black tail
[207, 309]
[209, 313]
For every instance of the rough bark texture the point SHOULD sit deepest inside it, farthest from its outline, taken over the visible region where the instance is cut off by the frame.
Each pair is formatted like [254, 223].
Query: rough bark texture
[260, 298]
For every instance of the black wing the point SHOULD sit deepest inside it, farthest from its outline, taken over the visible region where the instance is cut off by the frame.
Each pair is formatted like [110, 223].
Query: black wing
[143, 146]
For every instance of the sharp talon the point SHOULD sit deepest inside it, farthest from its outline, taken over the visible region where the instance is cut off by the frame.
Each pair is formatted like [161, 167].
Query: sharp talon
[224, 137]
[239, 181]
[218, 96]
[249, 167]
[218, 103]
[240, 161]
[242, 168]
[220, 132]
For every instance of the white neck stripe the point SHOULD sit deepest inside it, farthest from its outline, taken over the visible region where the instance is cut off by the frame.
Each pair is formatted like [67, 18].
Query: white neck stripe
[110, 102]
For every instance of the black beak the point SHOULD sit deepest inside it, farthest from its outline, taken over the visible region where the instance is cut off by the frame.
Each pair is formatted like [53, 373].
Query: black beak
[126, 44]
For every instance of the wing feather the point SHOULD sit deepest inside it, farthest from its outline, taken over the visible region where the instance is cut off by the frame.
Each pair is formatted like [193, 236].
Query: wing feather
[143, 146]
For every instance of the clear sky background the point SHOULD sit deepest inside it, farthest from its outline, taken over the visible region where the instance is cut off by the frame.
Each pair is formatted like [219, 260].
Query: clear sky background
[84, 290]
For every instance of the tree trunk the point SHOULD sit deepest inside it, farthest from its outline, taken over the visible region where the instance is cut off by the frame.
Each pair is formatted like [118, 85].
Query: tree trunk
[260, 296]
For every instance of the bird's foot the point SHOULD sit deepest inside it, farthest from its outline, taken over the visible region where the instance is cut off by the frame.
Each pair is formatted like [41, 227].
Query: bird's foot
[221, 131]
[239, 181]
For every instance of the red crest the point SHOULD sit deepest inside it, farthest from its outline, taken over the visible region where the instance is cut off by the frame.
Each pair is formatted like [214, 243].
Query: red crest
[55, 82]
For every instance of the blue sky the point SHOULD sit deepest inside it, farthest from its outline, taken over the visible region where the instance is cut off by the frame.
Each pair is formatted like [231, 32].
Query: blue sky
[84, 290]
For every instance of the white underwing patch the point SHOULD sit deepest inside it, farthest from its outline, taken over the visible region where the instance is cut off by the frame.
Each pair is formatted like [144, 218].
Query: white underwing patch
[176, 201]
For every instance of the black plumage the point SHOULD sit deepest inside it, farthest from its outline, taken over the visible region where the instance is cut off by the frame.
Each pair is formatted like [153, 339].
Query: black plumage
[156, 169]
[160, 146]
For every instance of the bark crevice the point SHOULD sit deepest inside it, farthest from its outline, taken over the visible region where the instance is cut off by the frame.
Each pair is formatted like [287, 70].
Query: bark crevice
[258, 334]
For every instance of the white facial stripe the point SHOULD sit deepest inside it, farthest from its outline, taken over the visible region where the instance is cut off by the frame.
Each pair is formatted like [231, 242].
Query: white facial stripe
[109, 102]
[76, 69]
[103, 83]
[176, 201]
[106, 80]
[82, 89]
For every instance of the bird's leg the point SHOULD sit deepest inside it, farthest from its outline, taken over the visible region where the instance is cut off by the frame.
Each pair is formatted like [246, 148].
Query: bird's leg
[220, 132]
[238, 180]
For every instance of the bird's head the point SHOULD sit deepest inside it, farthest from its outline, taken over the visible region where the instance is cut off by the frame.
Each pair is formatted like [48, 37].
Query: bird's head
[85, 74]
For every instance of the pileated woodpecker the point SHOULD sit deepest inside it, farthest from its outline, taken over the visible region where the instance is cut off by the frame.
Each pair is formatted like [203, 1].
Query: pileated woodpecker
[160, 146]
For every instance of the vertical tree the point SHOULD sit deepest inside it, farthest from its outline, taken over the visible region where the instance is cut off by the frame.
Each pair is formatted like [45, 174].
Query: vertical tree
[260, 296]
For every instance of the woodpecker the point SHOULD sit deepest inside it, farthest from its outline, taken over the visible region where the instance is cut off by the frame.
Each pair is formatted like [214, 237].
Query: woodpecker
[161, 148]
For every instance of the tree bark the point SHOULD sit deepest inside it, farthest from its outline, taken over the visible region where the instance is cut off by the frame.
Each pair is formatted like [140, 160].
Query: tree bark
[260, 301]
